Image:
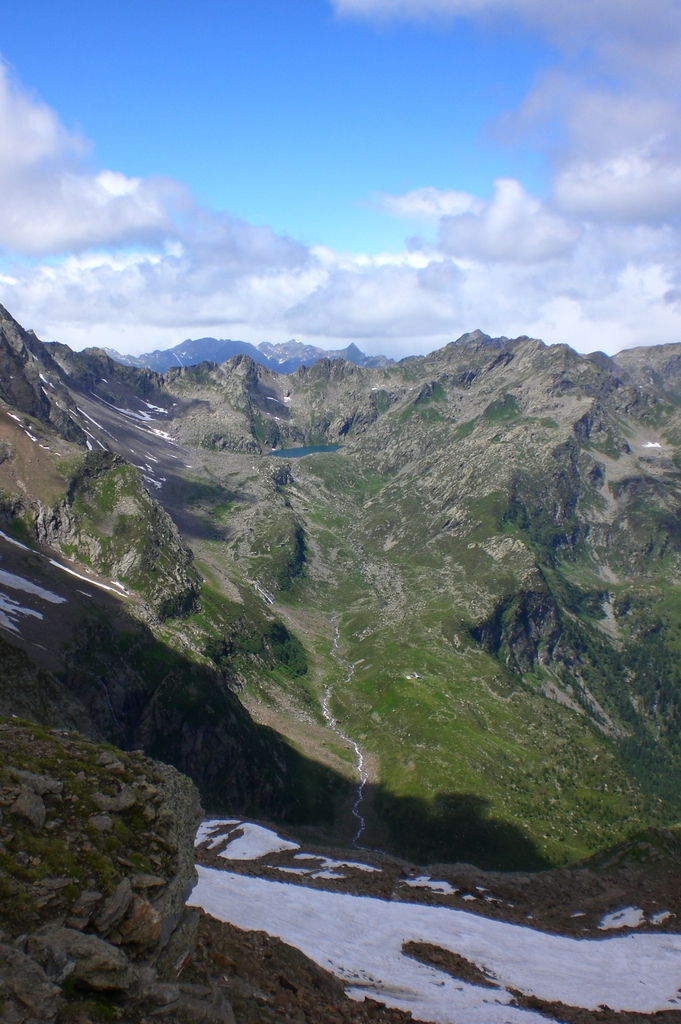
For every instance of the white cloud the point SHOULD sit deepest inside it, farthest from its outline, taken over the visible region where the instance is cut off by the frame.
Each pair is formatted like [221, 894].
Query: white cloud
[512, 226]
[612, 101]
[622, 160]
[52, 200]
[629, 186]
[612, 288]
[613, 27]
[431, 203]
[136, 264]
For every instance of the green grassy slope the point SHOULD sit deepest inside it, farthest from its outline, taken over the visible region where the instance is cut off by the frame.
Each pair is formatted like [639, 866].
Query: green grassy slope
[497, 543]
[501, 554]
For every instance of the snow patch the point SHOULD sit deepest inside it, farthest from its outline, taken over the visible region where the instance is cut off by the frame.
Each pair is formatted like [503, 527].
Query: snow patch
[162, 434]
[360, 940]
[329, 862]
[255, 842]
[8, 579]
[158, 484]
[289, 871]
[630, 917]
[425, 882]
[215, 829]
[87, 579]
[11, 610]
[17, 543]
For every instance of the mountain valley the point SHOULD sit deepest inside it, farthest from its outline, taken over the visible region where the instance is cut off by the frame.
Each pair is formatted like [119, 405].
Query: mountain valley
[496, 541]
[428, 610]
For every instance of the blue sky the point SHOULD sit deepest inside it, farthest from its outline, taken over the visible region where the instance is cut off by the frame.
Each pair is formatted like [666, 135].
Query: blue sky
[388, 172]
[284, 114]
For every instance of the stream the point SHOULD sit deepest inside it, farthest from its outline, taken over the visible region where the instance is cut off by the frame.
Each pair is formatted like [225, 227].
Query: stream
[333, 724]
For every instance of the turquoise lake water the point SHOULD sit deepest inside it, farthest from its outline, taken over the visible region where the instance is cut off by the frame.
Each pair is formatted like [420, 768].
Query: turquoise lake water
[297, 453]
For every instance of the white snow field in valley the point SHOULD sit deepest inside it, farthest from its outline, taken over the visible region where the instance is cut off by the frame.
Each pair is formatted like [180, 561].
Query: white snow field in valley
[249, 842]
[360, 938]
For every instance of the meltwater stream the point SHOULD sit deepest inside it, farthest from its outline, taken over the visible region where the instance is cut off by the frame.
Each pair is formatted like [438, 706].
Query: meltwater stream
[333, 724]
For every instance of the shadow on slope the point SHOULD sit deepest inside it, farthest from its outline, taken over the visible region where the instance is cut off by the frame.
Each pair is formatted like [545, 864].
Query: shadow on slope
[32, 693]
[451, 828]
[141, 693]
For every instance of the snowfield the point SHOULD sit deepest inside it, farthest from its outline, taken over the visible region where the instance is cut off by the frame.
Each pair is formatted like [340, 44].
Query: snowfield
[11, 611]
[360, 939]
[250, 841]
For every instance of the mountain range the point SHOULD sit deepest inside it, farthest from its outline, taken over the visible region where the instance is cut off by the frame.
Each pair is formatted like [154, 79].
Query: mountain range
[282, 358]
[475, 583]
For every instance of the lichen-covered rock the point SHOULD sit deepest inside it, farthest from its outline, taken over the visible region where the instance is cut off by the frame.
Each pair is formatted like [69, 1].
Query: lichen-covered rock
[30, 806]
[102, 822]
[26, 992]
[96, 905]
[38, 783]
[87, 959]
[123, 801]
[83, 909]
[141, 925]
[115, 908]
[178, 813]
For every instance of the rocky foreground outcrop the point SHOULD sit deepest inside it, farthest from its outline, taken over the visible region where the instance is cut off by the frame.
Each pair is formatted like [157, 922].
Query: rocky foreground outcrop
[96, 862]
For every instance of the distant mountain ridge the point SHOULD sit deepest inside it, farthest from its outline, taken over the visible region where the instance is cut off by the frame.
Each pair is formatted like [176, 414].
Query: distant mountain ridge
[282, 358]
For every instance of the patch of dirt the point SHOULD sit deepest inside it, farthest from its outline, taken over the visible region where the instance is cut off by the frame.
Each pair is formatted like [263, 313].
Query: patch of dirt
[314, 741]
[604, 1015]
[266, 980]
[453, 963]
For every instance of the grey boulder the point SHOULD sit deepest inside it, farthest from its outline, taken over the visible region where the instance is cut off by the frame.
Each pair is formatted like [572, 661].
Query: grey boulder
[115, 908]
[30, 806]
[40, 784]
[123, 801]
[92, 962]
[25, 989]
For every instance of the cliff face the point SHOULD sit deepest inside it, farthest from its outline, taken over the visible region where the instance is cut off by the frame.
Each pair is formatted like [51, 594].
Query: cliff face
[108, 520]
[96, 862]
[32, 693]
[31, 381]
